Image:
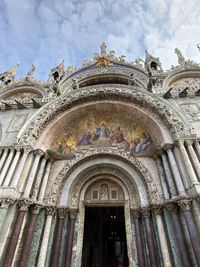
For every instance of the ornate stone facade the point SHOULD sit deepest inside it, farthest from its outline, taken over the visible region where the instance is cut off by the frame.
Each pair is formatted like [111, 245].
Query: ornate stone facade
[111, 143]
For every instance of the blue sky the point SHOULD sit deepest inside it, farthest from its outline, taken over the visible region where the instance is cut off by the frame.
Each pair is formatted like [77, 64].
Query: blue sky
[44, 32]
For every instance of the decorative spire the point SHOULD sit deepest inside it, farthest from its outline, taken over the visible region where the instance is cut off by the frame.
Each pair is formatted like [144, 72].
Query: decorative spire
[8, 76]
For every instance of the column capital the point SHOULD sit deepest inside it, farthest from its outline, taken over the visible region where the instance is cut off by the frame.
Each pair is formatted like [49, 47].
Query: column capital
[62, 212]
[145, 212]
[27, 149]
[73, 213]
[24, 204]
[184, 204]
[50, 210]
[167, 147]
[18, 148]
[157, 209]
[35, 209]
[197, 141]
[38, 152]
[180, 142]
[135, 213]
[171, 207]
[6, 202]
[189, 142]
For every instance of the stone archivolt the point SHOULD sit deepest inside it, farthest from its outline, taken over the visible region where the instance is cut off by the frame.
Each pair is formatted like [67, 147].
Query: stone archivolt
[168, 114]
[53, 195]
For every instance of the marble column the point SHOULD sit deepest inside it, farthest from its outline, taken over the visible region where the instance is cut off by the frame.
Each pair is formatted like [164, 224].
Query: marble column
[12, 167]
[139, 242]
[15, 234]
[44, 181]
[194, 158]
[70, 236]
[22, 161]
[46, 234]
[187, 162]
[162, 178]
[150, 238]
[31, 177]
[6, 165]
[197, 146]
[58, 237]
[29, 235]
[5, 203]
[168, 174]
[38, 179]
[196, 213]
[193, 232]
[181, 166]
[3, 158]
[186, 261]
[162, 238]
[175, 171]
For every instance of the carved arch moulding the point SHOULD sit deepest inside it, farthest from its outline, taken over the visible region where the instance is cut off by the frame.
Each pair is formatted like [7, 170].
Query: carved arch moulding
[170, 116]
[55, 190]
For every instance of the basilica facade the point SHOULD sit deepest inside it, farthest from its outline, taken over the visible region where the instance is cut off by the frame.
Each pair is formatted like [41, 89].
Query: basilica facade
[100, 165]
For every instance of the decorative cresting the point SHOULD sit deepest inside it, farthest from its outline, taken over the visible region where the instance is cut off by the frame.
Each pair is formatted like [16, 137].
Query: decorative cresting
[32, 130]
[53, 195]
[140, 77]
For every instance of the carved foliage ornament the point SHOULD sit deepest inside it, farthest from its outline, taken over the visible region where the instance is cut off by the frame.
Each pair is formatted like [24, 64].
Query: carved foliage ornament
[144, 99]
[53, 195]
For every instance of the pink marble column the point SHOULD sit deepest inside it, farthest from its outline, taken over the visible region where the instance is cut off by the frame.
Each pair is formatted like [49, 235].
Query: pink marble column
[150, 238]
[29, 235]
[15, 234]
[193, 232]
[58, 237]
[186, 261]
[70, 236]
[139, 243]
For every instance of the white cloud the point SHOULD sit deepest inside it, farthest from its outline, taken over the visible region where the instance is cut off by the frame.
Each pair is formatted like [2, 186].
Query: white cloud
[44, 32]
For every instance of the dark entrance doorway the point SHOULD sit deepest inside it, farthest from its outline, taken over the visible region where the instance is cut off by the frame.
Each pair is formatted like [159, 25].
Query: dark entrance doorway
[104, 242]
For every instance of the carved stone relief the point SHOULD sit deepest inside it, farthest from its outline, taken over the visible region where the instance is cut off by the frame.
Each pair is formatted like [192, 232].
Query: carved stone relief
[17, 122]
[192, 111]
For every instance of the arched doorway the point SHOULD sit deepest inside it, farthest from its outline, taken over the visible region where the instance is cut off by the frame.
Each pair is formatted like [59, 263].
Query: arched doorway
[104, 184]
[104, 241]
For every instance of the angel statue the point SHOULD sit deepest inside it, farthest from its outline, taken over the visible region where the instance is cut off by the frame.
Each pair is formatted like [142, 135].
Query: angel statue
[31, 71]
[181, 59]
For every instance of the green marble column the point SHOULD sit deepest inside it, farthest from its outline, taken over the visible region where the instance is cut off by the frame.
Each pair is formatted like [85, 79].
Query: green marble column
[171, 238]
[36, 241]
[63, 242]
[50, 243]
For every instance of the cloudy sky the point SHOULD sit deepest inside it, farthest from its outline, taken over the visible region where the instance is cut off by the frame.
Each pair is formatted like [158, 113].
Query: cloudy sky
[44, 32]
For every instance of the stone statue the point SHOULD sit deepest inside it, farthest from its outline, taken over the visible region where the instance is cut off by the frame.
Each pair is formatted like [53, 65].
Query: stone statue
[111, 55]
[122, 59]
[104, 192]
[8, 77]
[181, 59]
[31, 71]
[70, 70]
[103, 50]
[139, 63]
[86, 63]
